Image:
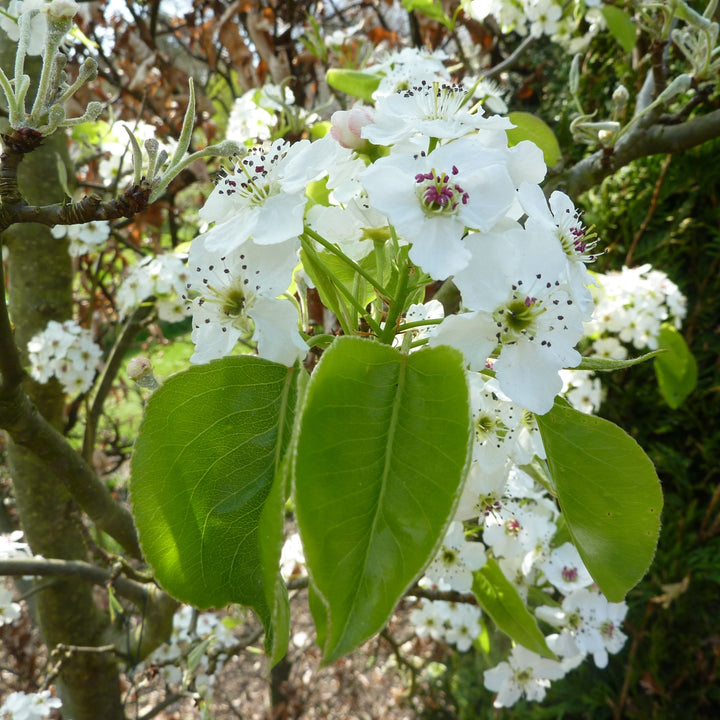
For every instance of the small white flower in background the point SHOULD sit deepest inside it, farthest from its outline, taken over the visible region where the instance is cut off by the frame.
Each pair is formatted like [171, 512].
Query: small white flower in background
[430, 619]
[233, 294]
[490, 94]
[249, 121]
[29, 706]
[610, 348]
[292, 557]
[163, 277]
[66, 351]
[582, 389]
[9, 609]
[456, 560]
[38, 24]
[420, 312]
[408, 67]
[524, 674]
[566, 570]
[84, 237]
[464, 625]
[543, 16]
[10, 546]
[633, 304]
[591, 621]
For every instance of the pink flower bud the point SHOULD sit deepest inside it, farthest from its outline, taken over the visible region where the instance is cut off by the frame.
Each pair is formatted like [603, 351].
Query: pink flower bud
[347, 124]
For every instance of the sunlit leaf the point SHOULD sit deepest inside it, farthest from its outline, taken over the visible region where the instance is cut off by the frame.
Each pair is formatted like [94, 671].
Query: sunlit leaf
[208, 486]
[381, 457]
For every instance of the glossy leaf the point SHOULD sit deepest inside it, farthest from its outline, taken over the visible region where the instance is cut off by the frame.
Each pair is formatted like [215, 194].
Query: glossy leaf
[531, 127]
[353, 82]
[609, 495]
[676, 368]
[381, 458]
[208, 486]
[499, 599]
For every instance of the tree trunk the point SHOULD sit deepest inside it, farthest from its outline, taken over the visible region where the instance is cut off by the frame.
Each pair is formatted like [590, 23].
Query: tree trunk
[40, 289]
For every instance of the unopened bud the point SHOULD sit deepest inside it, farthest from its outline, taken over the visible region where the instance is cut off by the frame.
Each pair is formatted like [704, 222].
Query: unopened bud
[620, 97]
[348, 124]
[140, 370]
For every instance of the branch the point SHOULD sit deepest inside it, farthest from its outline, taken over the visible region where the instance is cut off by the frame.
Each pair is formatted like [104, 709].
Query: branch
[641, 142]
[155, 605]
[112, 365]
[29, 429]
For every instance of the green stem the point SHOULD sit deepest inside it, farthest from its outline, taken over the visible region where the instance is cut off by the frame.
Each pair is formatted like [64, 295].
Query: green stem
[339, 286]
[396, 304]
[348, 261]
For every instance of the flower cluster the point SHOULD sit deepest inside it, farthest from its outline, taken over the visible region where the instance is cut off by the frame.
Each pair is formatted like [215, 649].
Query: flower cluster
[573, 25]
[448, 187]
[429, 184]
[515, 521]
[192, 630]
[163, 277]
[85, 237]
[65, 351]
[10, 547]
[630, 307]
[29, 706]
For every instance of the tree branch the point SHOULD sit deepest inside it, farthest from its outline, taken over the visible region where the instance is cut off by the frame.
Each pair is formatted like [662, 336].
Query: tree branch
[155, 605]
[638, 143]
[29, 429]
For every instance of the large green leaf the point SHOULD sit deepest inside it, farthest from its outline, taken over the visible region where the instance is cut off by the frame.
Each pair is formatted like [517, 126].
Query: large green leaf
[381, 458]
[676, 368]
[499, 599]
[208, 486]
[609, 494]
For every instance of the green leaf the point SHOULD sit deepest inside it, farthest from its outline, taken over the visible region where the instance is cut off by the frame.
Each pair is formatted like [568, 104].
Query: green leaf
[609, 495]
[621, 26]
[431, 8]
[530, 127]
[208, 486]
[603, 364]
[676, 369]
[353, 82]
[381, 458]
[499, 599]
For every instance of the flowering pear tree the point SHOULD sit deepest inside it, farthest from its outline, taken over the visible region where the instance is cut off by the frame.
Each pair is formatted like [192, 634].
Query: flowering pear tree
[415, 426]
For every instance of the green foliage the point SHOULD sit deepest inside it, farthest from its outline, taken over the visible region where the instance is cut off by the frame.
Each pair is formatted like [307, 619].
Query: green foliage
[664, 211]
[375, 494]
[608, 493]
[676, 368]
[499, 599]
[353, 82]
[621, 26]
[208, 486]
